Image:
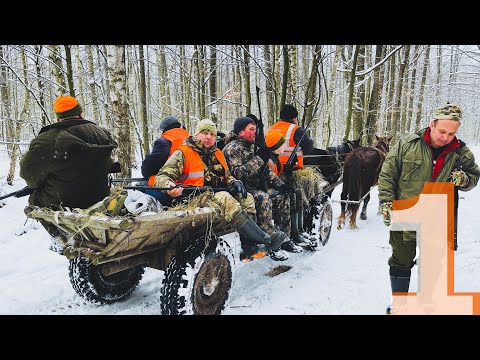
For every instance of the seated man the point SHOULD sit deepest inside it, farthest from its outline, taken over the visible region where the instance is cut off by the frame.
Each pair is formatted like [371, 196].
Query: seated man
[294, 221]
[68, 163]
[171, 137]
[199, 163]
[267, 189]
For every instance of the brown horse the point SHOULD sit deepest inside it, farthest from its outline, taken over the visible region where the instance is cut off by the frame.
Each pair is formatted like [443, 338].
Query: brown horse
[360, 172]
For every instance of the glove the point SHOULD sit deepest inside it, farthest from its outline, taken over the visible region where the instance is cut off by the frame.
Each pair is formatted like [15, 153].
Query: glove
[264, 154]
[459, 178]
[237, 187]
[286, 189]
[387, 212]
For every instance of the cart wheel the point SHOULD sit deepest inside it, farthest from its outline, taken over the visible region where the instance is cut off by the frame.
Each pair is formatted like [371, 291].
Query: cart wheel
[318, 220]
[199, 280]
[90, 283]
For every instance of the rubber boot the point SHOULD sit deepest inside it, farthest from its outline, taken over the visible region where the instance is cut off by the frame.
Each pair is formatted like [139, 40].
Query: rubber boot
[250, 250]
[399, 282]
[247, 227]
[297, 231]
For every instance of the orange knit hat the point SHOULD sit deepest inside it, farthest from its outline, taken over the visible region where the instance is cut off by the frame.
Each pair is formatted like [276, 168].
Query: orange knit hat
[274, 140]
[66, 106]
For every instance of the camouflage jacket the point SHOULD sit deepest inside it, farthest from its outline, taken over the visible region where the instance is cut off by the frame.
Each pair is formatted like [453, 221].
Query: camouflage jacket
[246, 166]
[213, 170]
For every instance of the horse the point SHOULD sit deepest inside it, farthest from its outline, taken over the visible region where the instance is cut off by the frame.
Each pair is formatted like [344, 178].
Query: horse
[330, 161]
[360, 172]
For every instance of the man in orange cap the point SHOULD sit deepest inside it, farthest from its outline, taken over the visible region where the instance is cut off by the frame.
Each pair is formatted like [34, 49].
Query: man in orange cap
[68, 163]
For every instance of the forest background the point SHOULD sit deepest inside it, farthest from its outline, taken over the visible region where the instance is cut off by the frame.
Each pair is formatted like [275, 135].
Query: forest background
[351, 91]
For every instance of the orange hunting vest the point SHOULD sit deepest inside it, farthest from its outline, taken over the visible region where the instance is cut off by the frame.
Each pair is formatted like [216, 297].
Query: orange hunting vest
[287, 129]
[193, 170]
[273, 166]
[176, 136]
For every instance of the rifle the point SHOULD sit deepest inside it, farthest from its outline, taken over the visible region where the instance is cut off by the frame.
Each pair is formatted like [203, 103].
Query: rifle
[19, 193]
[260, 143]
[117, 180]
[185, 188]
[288, 164]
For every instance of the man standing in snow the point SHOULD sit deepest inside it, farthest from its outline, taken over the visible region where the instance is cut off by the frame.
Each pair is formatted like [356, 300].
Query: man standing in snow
[433, 154]
[246, 165]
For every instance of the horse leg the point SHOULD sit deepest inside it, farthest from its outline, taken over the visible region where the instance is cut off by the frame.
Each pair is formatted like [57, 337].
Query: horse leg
[363, 214]
[341, 218]
[353, 216]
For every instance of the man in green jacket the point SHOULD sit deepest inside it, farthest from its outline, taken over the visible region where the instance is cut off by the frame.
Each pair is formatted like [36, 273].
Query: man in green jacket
[68, 163]
[429, 155]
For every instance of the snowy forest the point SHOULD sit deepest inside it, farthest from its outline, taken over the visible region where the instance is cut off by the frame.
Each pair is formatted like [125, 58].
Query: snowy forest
[352, 91]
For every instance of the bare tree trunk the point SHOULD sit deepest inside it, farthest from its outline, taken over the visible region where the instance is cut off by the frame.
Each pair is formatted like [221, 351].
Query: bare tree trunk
[276, 71]
[213, 83]
[143, 102]
[375, 98]
[68, 58]
[391, 96]
[246, 69]
[439, 71]
[58, 72]
[118, 94]
[327, 131]
[411, 97]
[108, 100]
[350, 93]
[310, 90]
[5, 100]
[92, 82]
[400, 88]
[292, 52]
[286, 69]
[41, 89]
[358, 109]
[269, 86]
[422, 87]
[80, 72]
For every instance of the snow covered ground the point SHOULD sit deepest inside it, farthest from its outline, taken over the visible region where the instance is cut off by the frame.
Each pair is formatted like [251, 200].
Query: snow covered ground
[347, 276]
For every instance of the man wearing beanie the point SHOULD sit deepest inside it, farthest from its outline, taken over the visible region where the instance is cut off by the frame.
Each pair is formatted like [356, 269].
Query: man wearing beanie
[287, 126]
[198, 163]
[68, 163]
[246, 166]
[171, 137]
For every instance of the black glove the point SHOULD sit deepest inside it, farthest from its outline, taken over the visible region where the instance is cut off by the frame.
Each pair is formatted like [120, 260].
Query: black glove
[287, 189]
[237, 187]
[263, 153]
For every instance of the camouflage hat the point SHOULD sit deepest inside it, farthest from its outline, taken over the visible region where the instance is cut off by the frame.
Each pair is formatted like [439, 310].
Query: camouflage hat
[206, 125]
[448, 112]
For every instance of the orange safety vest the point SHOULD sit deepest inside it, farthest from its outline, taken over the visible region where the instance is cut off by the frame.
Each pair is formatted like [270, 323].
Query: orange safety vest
[176, 137]
[287, 129]
[273, 166]
[193, 170]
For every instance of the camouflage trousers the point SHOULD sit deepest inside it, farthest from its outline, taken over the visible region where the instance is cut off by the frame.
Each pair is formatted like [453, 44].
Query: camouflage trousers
[228, 206]
[273, 210]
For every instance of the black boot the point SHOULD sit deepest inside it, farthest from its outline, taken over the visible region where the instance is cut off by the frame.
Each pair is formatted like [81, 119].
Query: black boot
[250, 250]
[297, 234]
[399, 281]
[247, 227]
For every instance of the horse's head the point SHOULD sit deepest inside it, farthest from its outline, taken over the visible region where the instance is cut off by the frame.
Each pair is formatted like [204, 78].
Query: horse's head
[383, 143]
[353, 144]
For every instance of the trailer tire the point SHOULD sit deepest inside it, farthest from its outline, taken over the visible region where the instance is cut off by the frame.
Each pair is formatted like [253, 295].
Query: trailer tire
[318, 220]
[198, 280]
[89, 282]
